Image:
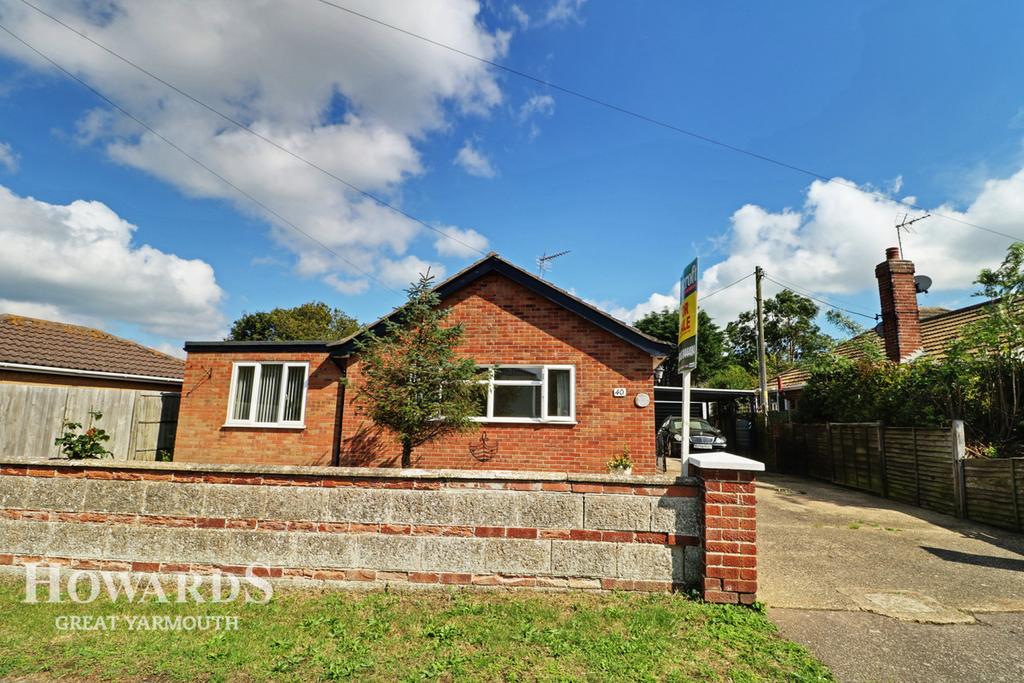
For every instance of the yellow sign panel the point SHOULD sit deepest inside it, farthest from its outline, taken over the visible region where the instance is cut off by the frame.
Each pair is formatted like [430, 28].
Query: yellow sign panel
[688, 318]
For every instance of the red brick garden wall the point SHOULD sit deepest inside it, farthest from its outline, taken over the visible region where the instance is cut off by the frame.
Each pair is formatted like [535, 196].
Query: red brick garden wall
[506, 323]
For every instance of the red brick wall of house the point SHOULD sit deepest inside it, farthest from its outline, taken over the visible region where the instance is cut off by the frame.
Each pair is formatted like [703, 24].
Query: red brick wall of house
[504, 323]
[507, 323]
[202, 436]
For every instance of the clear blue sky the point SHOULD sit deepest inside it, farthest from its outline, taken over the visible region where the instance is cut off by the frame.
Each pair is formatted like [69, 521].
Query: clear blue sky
[919, 99]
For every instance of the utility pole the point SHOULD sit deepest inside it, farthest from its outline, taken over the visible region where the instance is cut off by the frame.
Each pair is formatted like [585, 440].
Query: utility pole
[762, 369]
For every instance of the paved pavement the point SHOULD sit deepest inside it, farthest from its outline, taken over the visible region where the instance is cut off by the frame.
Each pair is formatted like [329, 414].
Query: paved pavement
[882, 591]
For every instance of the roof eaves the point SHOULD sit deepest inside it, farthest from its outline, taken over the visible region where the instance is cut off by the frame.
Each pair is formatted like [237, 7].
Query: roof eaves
[264, 346]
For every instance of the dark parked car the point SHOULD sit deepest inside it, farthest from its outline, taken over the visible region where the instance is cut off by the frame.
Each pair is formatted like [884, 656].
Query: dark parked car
[703, 437]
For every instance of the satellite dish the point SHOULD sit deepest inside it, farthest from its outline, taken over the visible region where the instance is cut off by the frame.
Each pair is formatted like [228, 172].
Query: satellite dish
[922, 283]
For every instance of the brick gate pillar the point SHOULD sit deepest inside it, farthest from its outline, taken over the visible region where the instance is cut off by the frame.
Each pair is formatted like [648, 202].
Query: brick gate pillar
[728, 526]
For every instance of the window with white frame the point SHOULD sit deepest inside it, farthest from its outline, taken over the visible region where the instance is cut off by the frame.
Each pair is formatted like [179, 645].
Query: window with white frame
[528, 393]
[268, 394]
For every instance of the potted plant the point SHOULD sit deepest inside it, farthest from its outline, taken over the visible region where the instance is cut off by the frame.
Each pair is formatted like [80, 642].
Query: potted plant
[621, 464]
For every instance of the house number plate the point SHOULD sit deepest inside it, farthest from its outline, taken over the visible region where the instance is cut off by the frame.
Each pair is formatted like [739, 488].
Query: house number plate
[619, 392]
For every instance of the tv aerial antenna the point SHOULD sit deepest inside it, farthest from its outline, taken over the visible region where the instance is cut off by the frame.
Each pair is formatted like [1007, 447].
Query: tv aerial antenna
[904, 226]
[544, 262]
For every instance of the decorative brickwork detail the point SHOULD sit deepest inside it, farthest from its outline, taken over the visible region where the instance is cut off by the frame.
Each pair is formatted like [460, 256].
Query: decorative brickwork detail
[729, 529]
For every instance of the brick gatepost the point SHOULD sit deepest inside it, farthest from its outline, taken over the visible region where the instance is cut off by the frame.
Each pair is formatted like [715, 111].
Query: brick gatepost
[729, 526]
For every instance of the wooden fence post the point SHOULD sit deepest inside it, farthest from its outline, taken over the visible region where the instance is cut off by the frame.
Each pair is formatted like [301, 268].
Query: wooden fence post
[917, 470]
[881, 460]
[831, 455]
[959, 454]
[1016, 495]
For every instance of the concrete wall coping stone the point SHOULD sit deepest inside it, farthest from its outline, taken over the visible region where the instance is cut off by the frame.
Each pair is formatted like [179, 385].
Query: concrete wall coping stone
[358, 472]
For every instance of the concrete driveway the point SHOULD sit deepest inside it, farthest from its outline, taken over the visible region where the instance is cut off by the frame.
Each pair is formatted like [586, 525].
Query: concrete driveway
[882, 591]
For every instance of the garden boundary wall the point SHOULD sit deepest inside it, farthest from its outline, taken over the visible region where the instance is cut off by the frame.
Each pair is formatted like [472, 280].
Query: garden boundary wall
[470, 528]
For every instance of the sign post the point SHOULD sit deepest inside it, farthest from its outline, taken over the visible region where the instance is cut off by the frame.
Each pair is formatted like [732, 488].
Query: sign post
[687, 360]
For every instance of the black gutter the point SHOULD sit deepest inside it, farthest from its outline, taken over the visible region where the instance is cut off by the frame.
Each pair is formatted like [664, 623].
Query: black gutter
[265, 346]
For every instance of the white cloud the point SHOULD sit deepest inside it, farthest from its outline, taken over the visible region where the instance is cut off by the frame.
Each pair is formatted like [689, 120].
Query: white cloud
[563, 11]
[831, 245]
[287, 70]
[8, 157]
[78, 262]
[171, 349]
[537, 105]
[466, 243]
[520, 16]
[405, 271]
[348, 287]
[655, 302]
[473, 161]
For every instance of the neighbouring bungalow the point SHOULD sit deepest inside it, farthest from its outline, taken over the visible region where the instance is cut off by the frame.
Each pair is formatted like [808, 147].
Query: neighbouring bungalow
[906, 332]
[573, 388]
[52, 372]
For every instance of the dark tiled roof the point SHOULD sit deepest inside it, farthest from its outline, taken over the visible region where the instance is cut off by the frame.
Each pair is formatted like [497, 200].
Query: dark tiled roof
[939, 327]
[29, 341]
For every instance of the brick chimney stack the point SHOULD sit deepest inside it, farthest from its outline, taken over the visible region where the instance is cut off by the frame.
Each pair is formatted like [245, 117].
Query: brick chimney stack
[901, 321]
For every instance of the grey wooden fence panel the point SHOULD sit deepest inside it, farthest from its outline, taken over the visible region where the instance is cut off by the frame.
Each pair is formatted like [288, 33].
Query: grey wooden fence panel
[995, 491]
[31, 416]
[117, 407]
[140, 423]
[156, 419]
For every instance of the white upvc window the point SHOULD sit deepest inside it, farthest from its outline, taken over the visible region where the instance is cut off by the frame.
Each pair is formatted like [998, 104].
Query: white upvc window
[528, 393]
[268, 395]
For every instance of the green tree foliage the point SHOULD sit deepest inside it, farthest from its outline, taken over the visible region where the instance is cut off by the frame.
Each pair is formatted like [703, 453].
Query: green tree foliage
[312, 320]
[711, 346]
[413, 381]
[790, 333]
[978, 380]
[731, 376]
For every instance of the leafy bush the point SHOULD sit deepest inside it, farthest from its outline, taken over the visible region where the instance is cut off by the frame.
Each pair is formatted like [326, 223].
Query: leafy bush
[88, 445]
[979, 380]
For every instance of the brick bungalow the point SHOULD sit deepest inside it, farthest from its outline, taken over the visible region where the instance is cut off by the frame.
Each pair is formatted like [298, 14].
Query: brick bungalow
[572, 389]
[906, 332]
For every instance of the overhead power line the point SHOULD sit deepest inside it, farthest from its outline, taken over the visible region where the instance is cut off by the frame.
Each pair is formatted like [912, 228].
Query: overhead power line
[797, 290]
[243, 126]
[652, 120]
[705, 297]
[193, 159]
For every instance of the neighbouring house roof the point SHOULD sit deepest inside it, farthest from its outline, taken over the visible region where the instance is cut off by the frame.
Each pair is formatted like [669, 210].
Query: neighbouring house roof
[939, 327]
[30, 343]
[492, 263]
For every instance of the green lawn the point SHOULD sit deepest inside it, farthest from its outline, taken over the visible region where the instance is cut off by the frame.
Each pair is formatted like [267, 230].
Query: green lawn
[311, 634]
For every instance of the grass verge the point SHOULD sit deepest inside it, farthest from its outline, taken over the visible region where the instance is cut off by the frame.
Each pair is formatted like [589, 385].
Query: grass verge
[313, 634]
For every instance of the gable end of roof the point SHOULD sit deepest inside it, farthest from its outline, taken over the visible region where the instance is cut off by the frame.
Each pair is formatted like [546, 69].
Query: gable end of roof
[493, 263]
